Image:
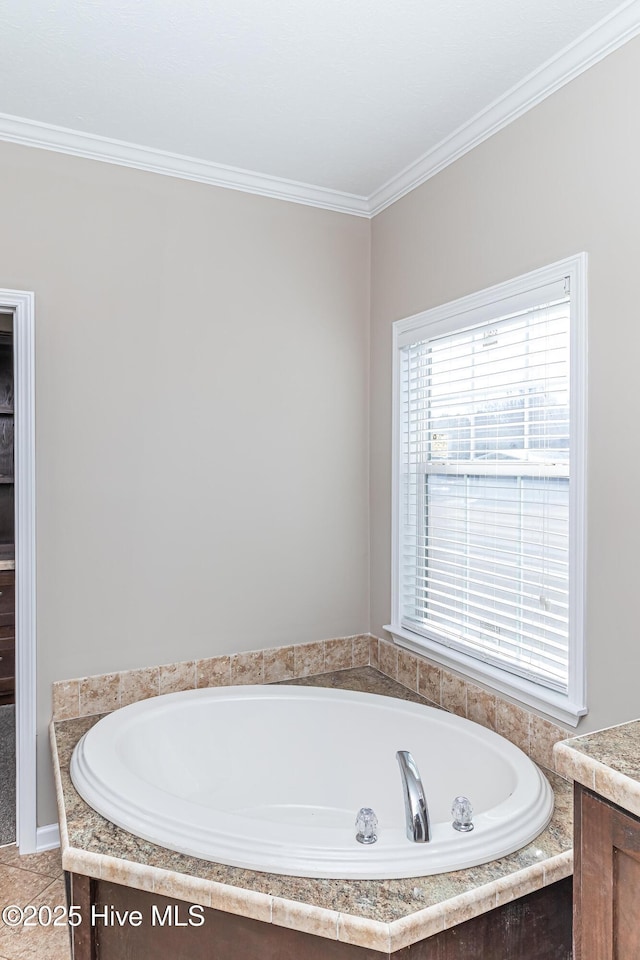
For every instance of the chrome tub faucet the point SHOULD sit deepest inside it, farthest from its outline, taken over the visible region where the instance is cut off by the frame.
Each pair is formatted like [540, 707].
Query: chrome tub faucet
[415, 802]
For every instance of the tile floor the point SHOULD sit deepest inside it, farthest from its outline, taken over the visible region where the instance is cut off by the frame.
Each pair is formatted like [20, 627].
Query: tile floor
[34, 879]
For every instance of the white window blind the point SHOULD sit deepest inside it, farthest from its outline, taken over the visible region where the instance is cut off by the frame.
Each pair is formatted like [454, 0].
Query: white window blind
[484, 533]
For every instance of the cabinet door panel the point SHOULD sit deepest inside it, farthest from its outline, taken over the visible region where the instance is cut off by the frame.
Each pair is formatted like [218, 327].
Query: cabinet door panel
[626, 912]
[7, 597]
[607, 875]
[7, 661]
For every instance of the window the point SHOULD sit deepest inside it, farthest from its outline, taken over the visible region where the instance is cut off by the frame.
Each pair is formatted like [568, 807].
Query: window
[489, 438]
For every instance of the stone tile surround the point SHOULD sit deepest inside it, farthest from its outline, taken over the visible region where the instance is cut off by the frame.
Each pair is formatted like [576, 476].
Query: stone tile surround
[529, 731]
[102, 693]
[89, 696]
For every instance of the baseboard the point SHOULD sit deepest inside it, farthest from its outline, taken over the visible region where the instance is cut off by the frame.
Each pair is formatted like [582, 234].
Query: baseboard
[47, 838]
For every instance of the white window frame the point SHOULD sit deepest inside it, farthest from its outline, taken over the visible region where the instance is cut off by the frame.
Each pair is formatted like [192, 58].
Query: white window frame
[570, 706]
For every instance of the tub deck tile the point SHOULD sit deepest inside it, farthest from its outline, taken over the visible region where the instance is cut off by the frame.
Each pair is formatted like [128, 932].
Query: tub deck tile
[364, 933]
[316, 920]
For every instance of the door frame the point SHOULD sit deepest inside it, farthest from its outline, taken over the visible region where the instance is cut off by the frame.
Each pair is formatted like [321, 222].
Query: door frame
[22, 304]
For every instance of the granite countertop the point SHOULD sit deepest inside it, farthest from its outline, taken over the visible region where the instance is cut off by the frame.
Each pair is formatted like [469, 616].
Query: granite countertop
[607, 762]
[383, 915]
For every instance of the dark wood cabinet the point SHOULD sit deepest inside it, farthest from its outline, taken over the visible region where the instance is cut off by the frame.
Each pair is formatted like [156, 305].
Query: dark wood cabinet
[7, 636]
[534, 927]
[606, 880]
[7, 598]
[7, 662]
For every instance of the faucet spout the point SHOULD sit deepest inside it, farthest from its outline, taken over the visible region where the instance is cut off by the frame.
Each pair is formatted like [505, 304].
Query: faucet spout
[415, 802]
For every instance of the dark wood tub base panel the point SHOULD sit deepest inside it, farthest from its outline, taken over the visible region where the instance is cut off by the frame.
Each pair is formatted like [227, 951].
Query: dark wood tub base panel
[534, 927]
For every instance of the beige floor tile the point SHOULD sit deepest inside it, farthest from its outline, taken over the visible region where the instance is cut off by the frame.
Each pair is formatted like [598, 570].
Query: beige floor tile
[40, 942]
[49, 863]
[17, 887]
[20, 886]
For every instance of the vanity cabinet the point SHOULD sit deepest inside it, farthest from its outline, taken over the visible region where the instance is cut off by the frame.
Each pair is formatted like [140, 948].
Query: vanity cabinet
[606, 880]
[7, 636]
[7, 663]
[7, 598]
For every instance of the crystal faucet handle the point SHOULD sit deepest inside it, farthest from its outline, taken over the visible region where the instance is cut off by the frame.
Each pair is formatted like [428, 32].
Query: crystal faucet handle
[366, 824]
[462, 813]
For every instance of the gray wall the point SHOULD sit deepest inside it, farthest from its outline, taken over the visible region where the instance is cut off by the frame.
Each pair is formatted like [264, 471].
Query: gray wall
[202, 451]
[203, 387]
[562, 179]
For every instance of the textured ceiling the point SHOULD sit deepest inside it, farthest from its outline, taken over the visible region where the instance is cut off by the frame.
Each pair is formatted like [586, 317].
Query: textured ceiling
[342, 94]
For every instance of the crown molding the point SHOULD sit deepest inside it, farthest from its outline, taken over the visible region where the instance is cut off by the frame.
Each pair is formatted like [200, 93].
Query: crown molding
[606, 36]
[32, 133]
[594, 45]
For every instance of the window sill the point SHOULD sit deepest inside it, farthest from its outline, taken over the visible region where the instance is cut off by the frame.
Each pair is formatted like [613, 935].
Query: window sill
[553, 704]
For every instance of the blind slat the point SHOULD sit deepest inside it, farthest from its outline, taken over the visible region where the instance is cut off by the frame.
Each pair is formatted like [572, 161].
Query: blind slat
[485, 489]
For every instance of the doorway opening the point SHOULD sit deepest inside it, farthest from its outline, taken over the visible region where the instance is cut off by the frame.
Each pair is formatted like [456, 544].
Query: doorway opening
[7, 587]
[17, 571]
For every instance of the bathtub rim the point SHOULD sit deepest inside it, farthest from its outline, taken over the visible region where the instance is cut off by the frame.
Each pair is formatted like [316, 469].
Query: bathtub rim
[290, 854]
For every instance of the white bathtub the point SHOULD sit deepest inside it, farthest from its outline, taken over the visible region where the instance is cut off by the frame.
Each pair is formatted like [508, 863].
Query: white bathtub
[271, 778]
